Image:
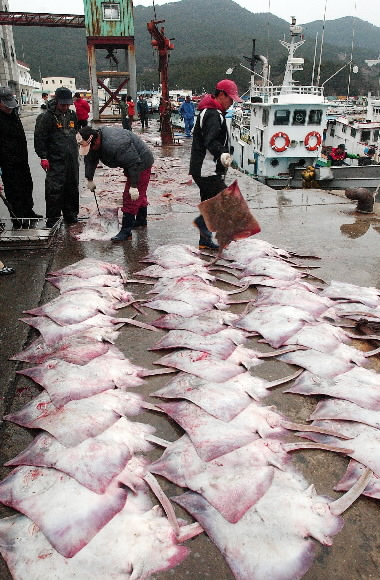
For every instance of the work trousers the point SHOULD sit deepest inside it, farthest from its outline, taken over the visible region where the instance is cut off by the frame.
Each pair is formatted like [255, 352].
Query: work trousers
[62, 189]
[210, 186]
[18, 187]
[130, 206]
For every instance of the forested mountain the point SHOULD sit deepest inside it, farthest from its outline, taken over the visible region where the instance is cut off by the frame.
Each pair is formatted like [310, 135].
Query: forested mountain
[211, 36]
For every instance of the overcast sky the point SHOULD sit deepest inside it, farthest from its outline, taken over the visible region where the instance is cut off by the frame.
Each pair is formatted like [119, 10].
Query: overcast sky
[303, 10]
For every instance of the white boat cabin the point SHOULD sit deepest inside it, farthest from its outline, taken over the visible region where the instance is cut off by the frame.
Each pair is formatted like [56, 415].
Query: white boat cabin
[280, 127]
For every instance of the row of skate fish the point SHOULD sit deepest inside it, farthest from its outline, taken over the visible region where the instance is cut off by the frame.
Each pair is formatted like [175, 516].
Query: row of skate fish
[82, 484]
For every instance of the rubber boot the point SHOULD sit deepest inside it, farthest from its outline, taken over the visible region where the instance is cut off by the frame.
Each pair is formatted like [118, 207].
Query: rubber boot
[140, 221]
[127, 224]
[205, 239]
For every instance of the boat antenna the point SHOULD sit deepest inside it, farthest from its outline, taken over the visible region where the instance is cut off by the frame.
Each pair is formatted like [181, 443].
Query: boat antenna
[323, 37]
[268, 34]
[315, 56]
[352, 55]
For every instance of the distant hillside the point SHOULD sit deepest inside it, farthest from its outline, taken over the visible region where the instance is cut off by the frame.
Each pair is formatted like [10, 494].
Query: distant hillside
[209, 38]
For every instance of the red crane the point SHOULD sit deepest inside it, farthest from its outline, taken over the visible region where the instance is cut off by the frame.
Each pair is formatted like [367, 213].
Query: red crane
[163, 46]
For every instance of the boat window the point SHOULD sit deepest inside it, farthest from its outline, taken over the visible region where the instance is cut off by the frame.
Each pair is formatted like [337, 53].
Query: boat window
[281, 117]
[353, 132]
[299, 117]
[365, 136]
[265, 117]
[332, 132]
[315, 117]
[376, 135]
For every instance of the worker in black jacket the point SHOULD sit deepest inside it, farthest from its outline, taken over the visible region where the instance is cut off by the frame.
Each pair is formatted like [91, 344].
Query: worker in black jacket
[55, 143]
[210, 139]
[14, 164]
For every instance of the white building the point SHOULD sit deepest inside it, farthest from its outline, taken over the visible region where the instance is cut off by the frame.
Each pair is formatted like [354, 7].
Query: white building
[50, 84]
[29, 89]
[8, 65]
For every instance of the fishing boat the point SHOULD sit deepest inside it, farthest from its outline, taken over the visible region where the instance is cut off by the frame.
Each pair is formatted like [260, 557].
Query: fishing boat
[280, 130]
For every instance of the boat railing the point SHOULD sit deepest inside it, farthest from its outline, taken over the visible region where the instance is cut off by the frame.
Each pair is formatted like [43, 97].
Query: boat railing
[271, 91]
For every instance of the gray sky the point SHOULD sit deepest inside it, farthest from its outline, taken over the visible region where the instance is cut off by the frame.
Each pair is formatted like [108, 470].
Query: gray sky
[303, 10]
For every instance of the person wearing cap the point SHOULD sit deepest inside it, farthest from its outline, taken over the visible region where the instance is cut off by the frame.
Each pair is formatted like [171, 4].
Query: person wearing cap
[338, 154]
[14, 163]
[82, 109]
[143, 111]
[187, 112]
[55, 144]
[117, 147]
[210, 140]
[368, 158]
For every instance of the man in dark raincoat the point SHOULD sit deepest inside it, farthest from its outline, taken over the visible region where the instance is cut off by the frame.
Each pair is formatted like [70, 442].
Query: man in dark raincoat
[210, 139]
[55, 143]
[17, 180]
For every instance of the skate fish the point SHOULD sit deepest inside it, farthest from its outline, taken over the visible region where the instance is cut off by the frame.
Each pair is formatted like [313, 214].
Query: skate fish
[359, 385]
[354, 471]
[101, 226]
[366, 295]
[364, 440]
[272, 268]
[95, 461]
[213, 438]
[68, 514]
[347, 411]
[275, 323]
[220, 345]
[156, 271]
[66, 382]
[202, 365]
[181, 307]
[77, 420]
[174, 256]
[90, 267]
[302, 299]
[68, 283]
[53, 333]
[79, 305]
[134, 545]
[232, 483]
[228, 214]
[204, 324]
[273, 539]
[222, 400]
[243, 251]
[323, 364]
[322, 336]
[77, 349]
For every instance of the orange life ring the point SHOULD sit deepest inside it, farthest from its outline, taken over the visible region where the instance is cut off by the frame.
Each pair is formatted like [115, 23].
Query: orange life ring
[273, 142]
[317, 143]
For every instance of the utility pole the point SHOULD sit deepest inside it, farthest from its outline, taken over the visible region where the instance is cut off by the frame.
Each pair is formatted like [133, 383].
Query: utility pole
[163, 46]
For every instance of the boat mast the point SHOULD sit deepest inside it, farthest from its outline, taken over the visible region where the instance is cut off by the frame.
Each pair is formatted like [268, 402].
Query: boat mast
[293, 64]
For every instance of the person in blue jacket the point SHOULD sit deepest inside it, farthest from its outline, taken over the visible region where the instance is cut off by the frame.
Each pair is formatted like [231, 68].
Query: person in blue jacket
[187, 112]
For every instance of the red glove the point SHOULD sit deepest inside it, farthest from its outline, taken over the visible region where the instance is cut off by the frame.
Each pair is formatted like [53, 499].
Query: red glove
[45, 164]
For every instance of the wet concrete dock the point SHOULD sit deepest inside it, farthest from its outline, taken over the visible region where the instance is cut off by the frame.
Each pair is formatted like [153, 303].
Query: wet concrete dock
[308, 222]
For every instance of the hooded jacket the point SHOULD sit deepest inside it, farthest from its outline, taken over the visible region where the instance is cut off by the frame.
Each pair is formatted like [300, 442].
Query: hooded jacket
[210, 135]
[82, 109]
[120, 148]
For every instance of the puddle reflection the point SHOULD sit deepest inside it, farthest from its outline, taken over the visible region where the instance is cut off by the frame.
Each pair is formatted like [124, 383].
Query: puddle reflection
[360, 226]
